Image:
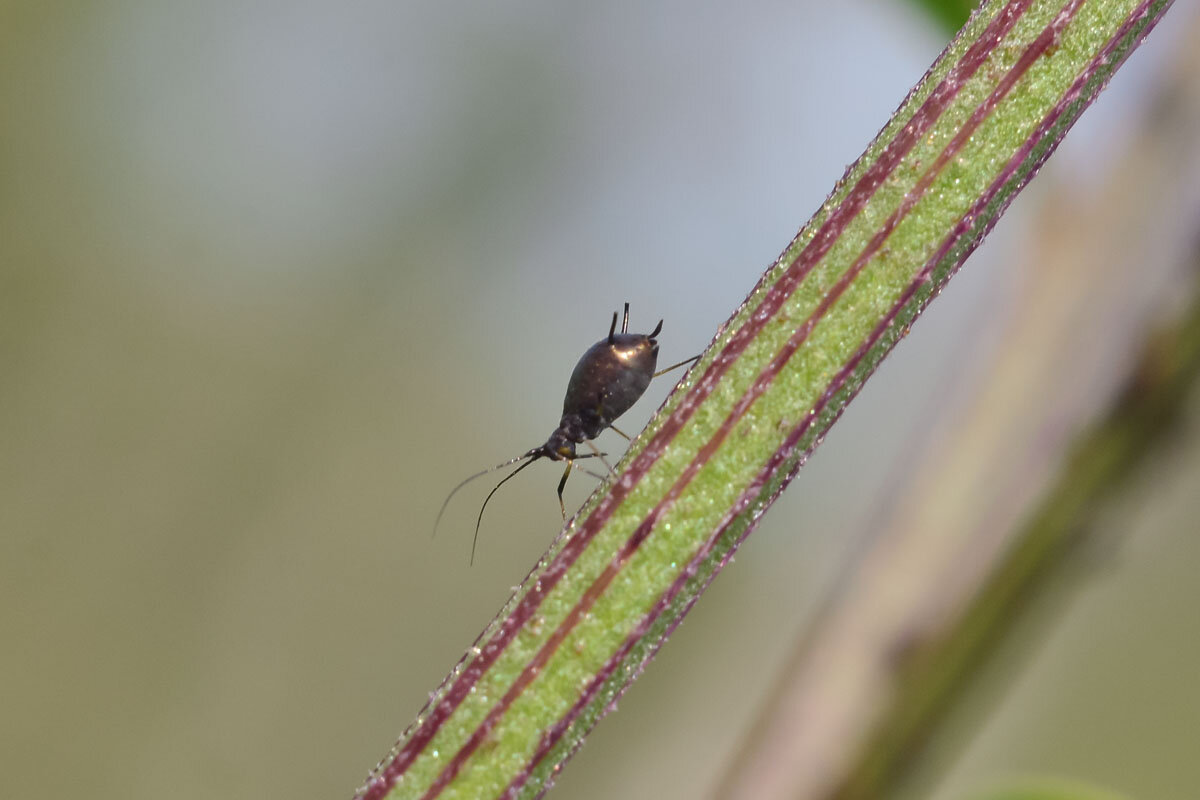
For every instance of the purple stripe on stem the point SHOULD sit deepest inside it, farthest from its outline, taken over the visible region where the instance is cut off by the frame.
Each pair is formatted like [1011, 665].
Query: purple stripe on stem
[827, 235]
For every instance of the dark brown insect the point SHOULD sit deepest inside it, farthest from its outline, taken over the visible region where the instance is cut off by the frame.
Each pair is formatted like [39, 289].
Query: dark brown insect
[609, 378]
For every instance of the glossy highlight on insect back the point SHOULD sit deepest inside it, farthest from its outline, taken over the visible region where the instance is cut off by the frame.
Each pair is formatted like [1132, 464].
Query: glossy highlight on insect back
[608, 379]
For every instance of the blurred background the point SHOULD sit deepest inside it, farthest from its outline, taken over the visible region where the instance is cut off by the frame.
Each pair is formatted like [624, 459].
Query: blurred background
[275, 276]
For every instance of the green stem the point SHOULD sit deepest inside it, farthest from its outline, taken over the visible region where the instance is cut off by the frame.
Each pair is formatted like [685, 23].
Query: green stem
[777, 375]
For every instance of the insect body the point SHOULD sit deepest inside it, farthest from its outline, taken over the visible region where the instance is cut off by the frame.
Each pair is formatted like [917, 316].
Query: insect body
[609, 378]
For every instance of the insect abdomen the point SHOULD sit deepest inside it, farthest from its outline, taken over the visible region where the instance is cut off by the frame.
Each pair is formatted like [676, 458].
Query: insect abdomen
[608, 380]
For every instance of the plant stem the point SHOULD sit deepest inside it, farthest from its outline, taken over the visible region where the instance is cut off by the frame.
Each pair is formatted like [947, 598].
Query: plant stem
[776, 376]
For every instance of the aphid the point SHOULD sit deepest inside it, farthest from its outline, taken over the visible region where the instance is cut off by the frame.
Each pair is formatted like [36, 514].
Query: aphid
[609, 378]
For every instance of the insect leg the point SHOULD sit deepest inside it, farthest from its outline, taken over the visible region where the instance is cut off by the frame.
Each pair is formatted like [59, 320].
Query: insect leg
[685, 362]
[626, 436]
[596, 452]
[561, 484]
[595, 475]
[566, 473]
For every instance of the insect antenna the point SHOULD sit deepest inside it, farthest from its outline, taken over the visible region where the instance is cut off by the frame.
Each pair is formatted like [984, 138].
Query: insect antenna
[506, 479]
[480, 474]
[532, 455]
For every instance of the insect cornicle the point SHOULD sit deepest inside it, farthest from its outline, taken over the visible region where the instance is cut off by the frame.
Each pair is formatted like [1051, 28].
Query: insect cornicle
[609, 378]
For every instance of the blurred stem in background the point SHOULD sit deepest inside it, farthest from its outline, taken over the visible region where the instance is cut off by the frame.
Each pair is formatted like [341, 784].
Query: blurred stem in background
[950, 14]
[725, 444]
[273, 277]
[1071, 410]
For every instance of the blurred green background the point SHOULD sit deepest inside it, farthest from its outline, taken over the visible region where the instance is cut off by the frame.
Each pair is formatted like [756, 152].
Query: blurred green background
[275, 276]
